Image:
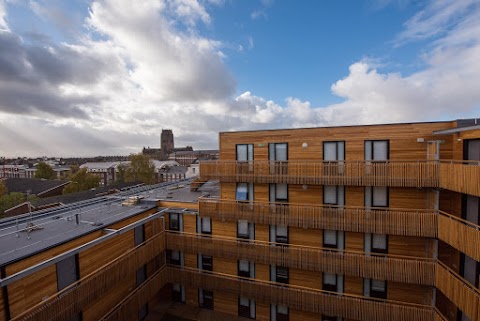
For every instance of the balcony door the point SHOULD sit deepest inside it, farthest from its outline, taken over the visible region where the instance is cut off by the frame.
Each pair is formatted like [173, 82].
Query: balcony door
[278, 155]
[245, 158]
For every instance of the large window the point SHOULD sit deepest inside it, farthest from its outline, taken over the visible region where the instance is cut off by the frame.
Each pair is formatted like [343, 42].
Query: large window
[334, 151]
[174, 223]
[205, 262]
[278, 312]
[375, 288]
[246, 308]
[377, 196]
[245, 230]
[174, 257]
[244, 152]
[278, 192]
[279, 274]
[333, 239]
[334, 195]
[178, 293]
[379, 243]
[244, 192]
[279, 234]
[205, 299]
[246, 269]
[204, 225]
[377, 150]
[332, 282]
[278, 153]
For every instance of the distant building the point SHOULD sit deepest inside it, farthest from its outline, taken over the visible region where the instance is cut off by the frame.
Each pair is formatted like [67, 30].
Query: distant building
[13, 171]
[186, 158]
[106, 171]
[167, 146]
[166, 141]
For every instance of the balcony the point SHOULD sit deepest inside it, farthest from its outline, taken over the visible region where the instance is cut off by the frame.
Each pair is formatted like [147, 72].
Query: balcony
[406, 222]
[304, 299]
[81, 294]
[460, 176]
[352, 173]
[385, 267]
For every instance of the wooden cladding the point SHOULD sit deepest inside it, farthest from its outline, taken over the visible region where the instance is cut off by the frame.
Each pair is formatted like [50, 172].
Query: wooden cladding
[73, 299]
[393, 268]
[461, 177]
[304, 299]
[406, 222]
[461, 234]
[463, 295]
[127, 310]
[354, 173]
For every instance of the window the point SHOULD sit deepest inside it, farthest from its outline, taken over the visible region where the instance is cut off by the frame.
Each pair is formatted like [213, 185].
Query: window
[379, 243]
[245, 230]
[205, 299]
[278, 313]
[246, 269]
[174, 223]
[330, 239]
[330, 282]
[279, 234]
[278, 192]
[206, 262]
[329, 318]
[174, 257]
[246, 308]
[377, 150]
[244, 152]
[178, 293]
[278, 151]
[279, 274]
[377, 196]
[204, 225]
[244, 192]
[333, 151]
[334, 195]
[375, 288]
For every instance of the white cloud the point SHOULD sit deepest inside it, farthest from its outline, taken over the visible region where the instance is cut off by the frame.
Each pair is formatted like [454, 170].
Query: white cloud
[3, 16]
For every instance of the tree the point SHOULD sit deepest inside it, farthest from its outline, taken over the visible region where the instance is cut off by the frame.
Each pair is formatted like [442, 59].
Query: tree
[3, 189]
[45, 171]
[141, 169]
[13, 199]
[81, 181]
[122, 171]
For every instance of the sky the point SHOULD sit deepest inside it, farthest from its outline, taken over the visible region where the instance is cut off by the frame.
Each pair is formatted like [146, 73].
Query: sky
[103, 77]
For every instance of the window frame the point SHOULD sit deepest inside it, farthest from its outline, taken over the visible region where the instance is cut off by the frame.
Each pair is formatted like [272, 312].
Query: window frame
[202, 231]
[177, 228]
[206, 263]
[245, 311]
[372, 150]
[248, 154]
[283, 278]
[372, 197]
[336, 142]
[379, 250]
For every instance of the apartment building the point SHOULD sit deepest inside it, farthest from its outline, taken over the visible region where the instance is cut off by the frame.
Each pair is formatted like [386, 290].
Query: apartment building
[375, 222]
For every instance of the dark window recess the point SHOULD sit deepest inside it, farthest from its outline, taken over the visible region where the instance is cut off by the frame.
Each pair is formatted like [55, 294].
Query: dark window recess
[379, 243]
[244, 268]
[206, 301]
[329, 282]
[281, 234]
[173, 257]
[282, 313]
[245, 308]
[330, 239]
[177, 293]
[207, 263]
[282, 274]
[328, 318]
[174, 222]
[378, 289]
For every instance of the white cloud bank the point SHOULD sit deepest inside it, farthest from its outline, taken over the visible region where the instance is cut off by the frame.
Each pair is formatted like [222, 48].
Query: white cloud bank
[143, 66]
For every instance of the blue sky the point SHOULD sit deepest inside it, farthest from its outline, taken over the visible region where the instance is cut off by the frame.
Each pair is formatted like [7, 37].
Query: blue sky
[110, 74]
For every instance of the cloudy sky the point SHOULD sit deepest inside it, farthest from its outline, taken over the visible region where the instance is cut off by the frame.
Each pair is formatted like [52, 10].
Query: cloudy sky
[86, 78]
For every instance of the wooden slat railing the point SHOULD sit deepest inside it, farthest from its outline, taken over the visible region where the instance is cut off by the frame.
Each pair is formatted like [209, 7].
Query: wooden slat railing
[460, 234]
[73, 299]
[407, 222]
[128, 308]
[356, 173]
[456, 289]
[460, 176]
[304, 299]
[383, 267]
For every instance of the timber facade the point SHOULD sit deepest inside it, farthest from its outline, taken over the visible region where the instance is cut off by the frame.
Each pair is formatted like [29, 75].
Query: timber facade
[376, 222]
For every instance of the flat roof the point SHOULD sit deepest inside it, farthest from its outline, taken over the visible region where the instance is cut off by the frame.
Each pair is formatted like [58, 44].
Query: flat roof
[41, 230]
[340, 126]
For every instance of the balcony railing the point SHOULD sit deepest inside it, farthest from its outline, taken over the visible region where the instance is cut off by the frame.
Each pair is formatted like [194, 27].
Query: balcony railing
[355, 173]
[384, 267]
[304, 299]
[465, 296]
[461, 234]
[73, 299]
[460, 176]
[407, 222]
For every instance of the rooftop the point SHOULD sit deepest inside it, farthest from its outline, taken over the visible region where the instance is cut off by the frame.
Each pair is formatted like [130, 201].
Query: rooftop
[31, 185]
[25, 235]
